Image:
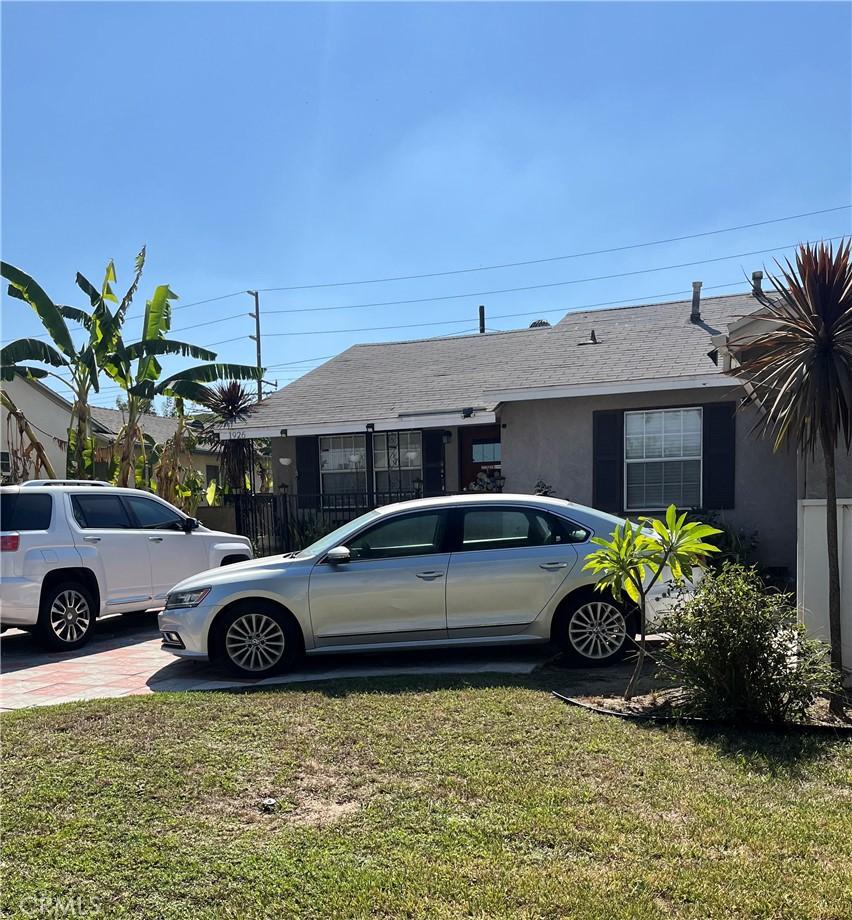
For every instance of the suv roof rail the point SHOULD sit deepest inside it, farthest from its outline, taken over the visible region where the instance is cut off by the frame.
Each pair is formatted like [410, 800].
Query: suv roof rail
[66, 482]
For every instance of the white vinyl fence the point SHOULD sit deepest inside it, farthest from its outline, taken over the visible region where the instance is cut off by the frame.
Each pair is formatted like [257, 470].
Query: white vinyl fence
[812, 572]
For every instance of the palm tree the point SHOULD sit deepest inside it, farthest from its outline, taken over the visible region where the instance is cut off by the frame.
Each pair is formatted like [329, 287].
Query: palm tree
[800, 376]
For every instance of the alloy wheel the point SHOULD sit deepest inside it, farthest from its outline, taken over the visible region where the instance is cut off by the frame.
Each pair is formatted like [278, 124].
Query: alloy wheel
[597, 630]
[70, 615]
[255, 642]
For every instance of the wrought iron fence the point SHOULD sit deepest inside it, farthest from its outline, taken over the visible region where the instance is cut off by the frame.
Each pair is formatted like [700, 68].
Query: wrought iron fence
[284, 523]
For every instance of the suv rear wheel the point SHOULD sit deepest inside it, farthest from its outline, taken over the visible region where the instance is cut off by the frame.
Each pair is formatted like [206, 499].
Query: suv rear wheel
[66, 617]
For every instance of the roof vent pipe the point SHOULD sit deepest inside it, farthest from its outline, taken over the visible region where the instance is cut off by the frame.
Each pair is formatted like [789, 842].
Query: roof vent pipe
[481, 318]
[756, 283]
[695, 315]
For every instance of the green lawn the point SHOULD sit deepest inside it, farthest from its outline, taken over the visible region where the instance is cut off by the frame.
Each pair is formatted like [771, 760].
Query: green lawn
[482, 797]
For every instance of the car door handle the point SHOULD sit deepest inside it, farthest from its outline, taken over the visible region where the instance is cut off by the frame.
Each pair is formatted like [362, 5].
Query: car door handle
[92, 539]
[156, 539]
[552, 566]
[430, 576]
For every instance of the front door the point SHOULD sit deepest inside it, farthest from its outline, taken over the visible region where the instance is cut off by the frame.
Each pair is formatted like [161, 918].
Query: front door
[393, 588]
[509, 563]
[174, 554]
[106, 539]
[479, 448]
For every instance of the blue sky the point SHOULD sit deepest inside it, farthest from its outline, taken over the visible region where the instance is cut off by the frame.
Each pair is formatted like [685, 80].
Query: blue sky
[270, 144]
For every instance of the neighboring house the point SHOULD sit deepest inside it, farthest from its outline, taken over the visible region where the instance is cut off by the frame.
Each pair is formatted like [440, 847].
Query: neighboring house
[626, 409]
[49, 415]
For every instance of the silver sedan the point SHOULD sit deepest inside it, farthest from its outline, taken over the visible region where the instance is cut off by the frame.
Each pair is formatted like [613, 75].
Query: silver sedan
[438, 572]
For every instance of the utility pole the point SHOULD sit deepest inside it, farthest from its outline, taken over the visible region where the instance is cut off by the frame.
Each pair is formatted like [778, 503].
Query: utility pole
[256, 338]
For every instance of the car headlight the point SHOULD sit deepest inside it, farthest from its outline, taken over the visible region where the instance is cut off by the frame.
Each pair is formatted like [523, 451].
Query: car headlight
[189, 598]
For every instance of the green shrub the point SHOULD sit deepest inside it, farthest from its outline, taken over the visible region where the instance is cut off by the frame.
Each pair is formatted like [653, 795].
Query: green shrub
[734, 543]
[741, 654]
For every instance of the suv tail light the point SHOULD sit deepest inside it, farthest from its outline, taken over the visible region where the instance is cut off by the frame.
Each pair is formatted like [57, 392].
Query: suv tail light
[9, 542]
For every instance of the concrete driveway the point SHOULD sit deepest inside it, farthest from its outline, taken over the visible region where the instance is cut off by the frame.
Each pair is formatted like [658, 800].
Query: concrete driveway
[124, 658]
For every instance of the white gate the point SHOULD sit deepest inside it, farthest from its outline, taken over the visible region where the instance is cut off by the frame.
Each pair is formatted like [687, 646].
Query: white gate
[812, 566]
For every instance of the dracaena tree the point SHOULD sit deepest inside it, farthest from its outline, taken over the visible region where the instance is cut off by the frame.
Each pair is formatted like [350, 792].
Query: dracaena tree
[231, 404]
[136, 368]
[799, 373]
[80, 363]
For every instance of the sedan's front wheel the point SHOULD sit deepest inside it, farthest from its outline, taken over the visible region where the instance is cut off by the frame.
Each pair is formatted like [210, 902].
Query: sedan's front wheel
[594, 632]
[257, 639]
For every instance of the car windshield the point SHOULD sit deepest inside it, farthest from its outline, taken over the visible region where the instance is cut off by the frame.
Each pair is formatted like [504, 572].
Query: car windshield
[337, 537]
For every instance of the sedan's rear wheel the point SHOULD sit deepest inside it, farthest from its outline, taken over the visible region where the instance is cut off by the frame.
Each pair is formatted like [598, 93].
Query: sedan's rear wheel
[257, 639]
[594, 632]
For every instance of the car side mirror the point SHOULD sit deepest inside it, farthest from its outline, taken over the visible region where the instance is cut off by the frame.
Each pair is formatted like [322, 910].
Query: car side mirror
[190, 524]
[338, 555]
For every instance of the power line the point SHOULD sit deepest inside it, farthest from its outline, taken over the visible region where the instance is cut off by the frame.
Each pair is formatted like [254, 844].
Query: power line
[491, 267]
[573, 255]
[538, 287]
[447, 322]
[472, 294]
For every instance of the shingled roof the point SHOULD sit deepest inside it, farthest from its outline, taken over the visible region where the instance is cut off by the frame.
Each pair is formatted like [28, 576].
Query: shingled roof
[159, 427]
[652, 342]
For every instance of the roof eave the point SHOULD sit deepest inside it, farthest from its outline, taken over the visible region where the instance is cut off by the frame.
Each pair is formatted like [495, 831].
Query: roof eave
[562, 391]
[402, 422]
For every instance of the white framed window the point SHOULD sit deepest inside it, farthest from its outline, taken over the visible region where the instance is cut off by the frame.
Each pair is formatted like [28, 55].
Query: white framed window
[397, 461]
[343, 463]
[5, 463]
[662, 459]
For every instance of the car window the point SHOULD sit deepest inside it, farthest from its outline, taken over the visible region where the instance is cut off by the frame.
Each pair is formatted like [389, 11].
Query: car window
[153, 515]
[510, 528]
[25, 512]
[100, 511]
[407, 535]
[496, 528]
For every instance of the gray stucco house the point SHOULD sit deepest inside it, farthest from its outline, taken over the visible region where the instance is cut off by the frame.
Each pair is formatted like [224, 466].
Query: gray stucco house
[627, 409]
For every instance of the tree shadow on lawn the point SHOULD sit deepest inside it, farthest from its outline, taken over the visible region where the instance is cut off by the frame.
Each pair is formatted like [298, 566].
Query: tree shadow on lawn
[762, 751]
[770, 750]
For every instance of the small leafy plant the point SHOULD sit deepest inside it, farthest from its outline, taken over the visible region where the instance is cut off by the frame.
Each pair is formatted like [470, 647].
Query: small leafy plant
[741, 654]
[636, 557]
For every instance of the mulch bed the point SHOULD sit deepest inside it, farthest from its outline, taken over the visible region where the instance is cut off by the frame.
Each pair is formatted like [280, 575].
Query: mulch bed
[666, 706]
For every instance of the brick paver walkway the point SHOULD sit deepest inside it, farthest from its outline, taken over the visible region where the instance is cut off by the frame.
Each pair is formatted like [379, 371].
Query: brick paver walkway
[124, 658]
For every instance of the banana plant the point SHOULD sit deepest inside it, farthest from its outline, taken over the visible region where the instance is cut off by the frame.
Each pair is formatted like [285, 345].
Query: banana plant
[80, 362]
[137, 370]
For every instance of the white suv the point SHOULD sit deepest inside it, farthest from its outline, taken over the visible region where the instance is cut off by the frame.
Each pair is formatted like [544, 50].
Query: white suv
[71, 551]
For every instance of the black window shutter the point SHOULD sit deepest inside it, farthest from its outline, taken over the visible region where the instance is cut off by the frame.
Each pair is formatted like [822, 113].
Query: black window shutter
[308, 470]
[433, 461]
[608, 449]
[719, 455]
